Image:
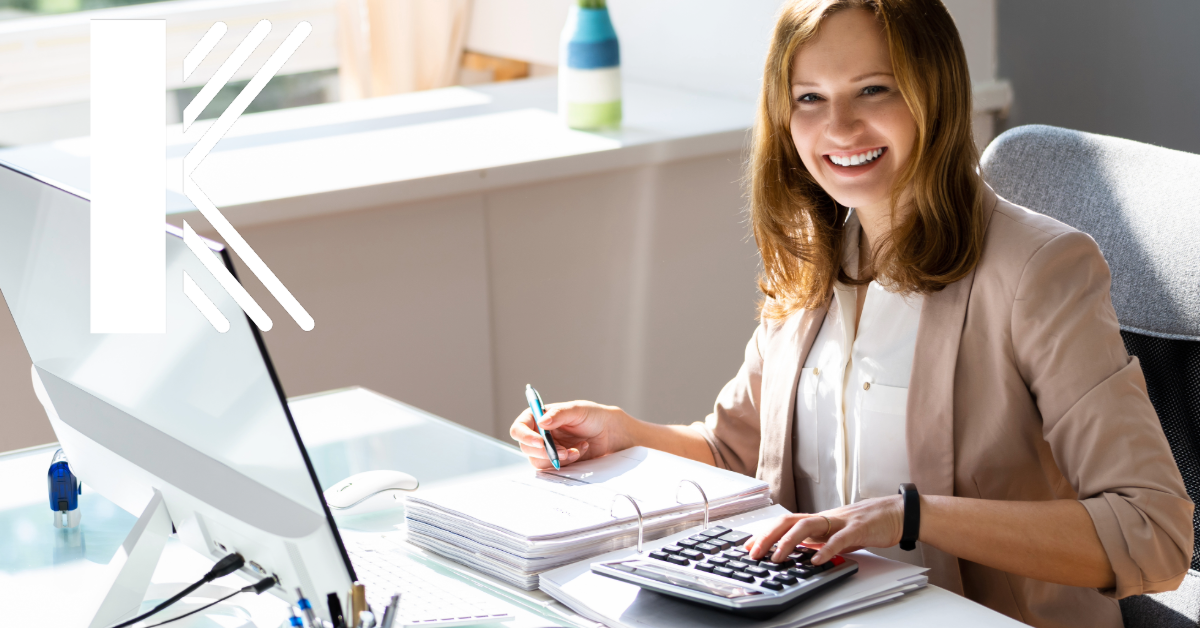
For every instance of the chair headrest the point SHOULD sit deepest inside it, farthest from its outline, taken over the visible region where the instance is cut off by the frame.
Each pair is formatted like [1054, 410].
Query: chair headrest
[1141, 203]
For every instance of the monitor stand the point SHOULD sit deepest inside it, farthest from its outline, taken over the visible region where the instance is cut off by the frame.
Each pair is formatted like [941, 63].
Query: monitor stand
[129, 572]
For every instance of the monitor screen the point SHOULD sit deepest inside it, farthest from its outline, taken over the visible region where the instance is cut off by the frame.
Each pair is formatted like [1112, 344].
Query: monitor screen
[191, 393]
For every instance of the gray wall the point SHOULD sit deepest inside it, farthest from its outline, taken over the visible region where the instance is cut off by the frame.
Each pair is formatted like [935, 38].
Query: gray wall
[1114, 67]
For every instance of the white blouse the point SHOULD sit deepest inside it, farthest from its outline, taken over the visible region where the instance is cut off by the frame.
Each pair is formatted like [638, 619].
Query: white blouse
[849, 436]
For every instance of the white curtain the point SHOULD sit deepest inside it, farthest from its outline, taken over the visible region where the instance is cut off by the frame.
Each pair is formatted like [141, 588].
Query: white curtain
[395, 46]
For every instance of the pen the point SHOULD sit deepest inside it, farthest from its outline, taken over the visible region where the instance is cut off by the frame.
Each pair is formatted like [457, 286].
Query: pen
[358, 604]
[538, 410]
[335, 611]
[389, 614]
[307, 609]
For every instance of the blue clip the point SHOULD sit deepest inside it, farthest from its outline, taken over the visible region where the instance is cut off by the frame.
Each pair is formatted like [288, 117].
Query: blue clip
[65, 489]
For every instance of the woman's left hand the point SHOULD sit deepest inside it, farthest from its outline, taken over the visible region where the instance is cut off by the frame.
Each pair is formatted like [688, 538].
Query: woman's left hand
[877, 522]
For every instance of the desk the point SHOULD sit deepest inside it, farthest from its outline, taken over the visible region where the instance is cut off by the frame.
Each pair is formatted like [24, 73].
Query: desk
[346, 431]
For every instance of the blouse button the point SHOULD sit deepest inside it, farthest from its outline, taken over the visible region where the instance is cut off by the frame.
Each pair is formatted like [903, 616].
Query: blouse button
[866, 385]
[816, 371]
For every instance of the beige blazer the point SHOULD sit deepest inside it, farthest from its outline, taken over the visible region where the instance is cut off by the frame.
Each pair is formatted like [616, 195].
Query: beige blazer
[1021, 389]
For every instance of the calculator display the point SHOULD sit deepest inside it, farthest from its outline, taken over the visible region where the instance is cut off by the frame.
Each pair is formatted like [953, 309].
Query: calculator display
[698, 581]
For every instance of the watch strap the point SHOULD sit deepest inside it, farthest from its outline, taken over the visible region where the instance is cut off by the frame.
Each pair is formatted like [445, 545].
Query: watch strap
[912, 517]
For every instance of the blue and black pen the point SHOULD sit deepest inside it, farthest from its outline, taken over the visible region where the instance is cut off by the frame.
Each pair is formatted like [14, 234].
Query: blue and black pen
[539, 410]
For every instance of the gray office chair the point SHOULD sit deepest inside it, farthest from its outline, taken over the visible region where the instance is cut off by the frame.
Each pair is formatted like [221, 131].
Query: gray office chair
[1141, 204]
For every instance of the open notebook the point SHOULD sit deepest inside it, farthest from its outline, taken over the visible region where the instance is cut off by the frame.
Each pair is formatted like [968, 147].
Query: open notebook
[518, 525]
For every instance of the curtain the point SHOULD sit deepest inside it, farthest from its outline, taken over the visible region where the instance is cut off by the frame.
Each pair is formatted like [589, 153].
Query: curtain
[395, 46]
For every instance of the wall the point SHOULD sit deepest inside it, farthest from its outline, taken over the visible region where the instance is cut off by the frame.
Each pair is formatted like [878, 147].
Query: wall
[631, 287]
[1112, 67]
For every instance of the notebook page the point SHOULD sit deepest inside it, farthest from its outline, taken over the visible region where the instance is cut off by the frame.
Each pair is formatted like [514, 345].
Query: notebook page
[582, 496]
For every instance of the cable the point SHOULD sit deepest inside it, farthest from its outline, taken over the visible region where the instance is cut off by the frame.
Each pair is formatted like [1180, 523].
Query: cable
[224, 567]
[258, 588]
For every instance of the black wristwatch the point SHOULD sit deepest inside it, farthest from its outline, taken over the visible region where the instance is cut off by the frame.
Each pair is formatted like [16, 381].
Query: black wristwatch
[912, 517]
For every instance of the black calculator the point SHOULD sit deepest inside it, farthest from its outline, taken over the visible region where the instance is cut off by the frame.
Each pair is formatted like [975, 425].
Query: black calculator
[711, 568]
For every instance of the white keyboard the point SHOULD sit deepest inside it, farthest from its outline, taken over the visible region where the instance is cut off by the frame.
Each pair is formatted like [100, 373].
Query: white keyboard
[427, 598]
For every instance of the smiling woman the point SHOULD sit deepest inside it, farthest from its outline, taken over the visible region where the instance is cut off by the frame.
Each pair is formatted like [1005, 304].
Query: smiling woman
[836, 130]
[937, 370]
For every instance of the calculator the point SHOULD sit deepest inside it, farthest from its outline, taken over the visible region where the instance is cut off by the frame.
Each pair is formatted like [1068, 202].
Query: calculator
[710, 568]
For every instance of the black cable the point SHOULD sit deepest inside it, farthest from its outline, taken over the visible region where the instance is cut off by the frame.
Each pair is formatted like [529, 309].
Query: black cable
[258, 588]
[224, 567]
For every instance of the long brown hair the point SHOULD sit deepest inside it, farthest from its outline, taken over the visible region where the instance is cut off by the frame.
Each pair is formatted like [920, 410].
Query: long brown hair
[798, 226]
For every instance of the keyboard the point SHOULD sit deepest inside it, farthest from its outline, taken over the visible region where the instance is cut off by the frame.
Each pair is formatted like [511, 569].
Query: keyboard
[427, 598]
[710, 568]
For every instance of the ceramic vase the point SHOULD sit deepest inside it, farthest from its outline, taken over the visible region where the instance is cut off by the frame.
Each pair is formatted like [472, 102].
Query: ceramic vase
[589, 69]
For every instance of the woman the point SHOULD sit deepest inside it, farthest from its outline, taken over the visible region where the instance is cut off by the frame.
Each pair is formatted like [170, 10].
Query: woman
[934, 334]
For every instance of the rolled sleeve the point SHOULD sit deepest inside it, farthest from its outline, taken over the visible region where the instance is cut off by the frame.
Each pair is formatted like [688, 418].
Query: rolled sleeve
[1097, 416]
[732, 429]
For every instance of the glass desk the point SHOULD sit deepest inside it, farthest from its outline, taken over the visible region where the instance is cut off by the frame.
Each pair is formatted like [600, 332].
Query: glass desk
[345, 431]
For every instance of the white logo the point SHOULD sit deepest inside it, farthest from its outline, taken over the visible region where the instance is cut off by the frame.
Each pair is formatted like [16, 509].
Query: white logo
[128, 70]
[201, 201]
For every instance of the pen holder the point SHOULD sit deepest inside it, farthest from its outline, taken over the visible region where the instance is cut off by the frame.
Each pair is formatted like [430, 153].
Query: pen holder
[702, 496]
[638, 510]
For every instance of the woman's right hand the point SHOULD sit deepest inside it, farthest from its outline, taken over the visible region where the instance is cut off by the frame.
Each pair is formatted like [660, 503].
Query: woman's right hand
[582, 430]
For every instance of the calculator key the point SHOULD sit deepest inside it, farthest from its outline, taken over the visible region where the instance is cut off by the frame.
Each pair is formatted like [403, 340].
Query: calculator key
[805, 574]
[758, 572]
[734, 554]
[699, 538]
[749, 561]
[723, 571]
[738, 565]
[705, 567]
[743, 576]
[672, 549]
[785, 578]
[715, 531]
[707, 549]
[677, 559]
[692, 554]
[719, 543]
[718, 561]
[688, 543]
[772, 585]
[837, 560]
[787, 564]
[659, 555]
[736, 537]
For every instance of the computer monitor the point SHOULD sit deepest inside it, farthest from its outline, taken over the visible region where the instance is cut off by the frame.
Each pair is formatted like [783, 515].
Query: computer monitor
[194, 415]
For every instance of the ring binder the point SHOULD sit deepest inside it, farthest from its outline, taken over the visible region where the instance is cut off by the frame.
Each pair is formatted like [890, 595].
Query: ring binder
[638, 510]
[702, 495]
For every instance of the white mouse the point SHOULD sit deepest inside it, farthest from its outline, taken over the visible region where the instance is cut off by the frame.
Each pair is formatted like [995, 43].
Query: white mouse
[360, 486]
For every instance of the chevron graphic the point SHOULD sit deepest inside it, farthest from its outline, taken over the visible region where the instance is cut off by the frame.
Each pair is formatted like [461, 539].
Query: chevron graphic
[201, 150]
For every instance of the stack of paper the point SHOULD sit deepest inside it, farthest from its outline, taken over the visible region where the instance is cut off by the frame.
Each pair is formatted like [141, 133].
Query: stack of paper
[517, 526]
[622, 605]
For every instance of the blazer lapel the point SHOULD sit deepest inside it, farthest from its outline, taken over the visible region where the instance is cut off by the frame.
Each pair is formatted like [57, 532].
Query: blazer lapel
[930, 410]
[781, 374]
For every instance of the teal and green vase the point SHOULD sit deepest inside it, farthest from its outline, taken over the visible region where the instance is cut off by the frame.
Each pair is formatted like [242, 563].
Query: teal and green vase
[589, 68]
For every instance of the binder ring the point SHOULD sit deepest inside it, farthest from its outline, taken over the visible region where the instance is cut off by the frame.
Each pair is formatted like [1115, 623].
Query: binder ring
[638, 510]
[702, 495]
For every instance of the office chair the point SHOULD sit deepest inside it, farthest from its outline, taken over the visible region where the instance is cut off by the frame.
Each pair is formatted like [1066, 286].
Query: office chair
[1141, 204]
